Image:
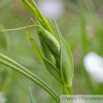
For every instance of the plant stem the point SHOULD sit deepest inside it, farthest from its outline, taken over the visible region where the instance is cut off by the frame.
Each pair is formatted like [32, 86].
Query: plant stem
[43, 18]
[14, 65]
[28, 6]
[35, 11]
[67, 90]
[17, 28]
[70, 90]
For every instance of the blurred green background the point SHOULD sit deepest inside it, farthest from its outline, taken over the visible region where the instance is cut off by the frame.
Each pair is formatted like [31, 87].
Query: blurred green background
[81, 24]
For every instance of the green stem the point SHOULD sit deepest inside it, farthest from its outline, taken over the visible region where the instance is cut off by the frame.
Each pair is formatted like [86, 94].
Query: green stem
[28, 6]
[35, 11]
[14, 65]
[32, 12]
[67, 90]
[70, 90]
[43, 18]
[17, 28]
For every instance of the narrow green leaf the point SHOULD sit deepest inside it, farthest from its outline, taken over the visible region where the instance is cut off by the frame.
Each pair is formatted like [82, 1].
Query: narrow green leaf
[31, 96]
[66, 60]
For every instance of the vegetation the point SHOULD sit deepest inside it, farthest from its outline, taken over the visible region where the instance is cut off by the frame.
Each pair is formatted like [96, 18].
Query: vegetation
[82, 29]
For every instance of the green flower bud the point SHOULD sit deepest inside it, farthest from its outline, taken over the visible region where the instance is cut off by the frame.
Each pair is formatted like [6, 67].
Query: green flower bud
[47, 53]
[45, 48]
[51, 41]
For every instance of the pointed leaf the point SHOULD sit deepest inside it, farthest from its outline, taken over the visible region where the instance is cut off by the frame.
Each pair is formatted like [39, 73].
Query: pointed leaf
[66, 60]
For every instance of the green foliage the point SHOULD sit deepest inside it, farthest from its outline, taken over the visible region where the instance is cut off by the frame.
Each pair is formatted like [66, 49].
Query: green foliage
[62, 66]
[82, 28]
[61, 51]
[19, 68]
[31, 96]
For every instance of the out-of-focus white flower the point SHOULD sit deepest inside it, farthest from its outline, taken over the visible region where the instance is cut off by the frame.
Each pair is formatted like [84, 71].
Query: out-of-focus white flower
[94, 65]
[2, 99]
[51, 8]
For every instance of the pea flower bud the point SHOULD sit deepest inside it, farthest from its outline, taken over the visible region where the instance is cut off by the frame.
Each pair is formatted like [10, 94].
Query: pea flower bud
[51, 41]
[56, 55]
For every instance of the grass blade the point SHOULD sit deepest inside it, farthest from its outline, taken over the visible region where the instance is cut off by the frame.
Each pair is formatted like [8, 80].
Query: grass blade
[31, 96]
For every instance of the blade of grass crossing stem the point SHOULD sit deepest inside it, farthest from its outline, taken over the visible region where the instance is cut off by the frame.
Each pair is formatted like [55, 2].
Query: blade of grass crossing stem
[31, 96]
[17, 67]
